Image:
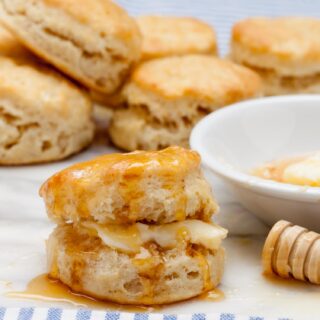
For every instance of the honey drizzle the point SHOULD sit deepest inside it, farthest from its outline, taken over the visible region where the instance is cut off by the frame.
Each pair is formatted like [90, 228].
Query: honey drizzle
[286, 282]
[45, 289]
[275, 169]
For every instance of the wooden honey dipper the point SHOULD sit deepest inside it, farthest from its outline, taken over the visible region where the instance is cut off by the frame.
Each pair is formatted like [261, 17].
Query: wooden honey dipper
[292, 251]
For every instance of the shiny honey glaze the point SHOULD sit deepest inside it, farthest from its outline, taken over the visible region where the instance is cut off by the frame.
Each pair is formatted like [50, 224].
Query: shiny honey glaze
[45, 289]
[82, 181]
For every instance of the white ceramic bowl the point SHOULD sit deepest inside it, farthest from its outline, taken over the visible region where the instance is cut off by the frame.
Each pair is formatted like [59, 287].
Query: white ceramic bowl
[238, 138]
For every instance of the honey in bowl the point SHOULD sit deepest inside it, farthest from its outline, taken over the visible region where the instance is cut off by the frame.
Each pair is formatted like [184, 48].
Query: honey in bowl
[302, 170]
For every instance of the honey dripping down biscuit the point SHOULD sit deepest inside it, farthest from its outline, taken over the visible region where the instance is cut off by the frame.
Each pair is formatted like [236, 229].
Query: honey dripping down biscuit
[135, 228]
[292, 251]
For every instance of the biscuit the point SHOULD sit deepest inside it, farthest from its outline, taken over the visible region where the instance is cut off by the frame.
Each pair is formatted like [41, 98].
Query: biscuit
[38, 108]
[157, 187]
[284, 51]
[167, 36]
[92, 41]
[166, 97]
[154, 276]
[130, 130]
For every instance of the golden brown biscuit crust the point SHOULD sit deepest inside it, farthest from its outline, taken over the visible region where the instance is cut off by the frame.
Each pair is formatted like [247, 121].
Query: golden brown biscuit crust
[288, 45]
[93, 41]
[158, 187]
[166, 36]
[208, 79]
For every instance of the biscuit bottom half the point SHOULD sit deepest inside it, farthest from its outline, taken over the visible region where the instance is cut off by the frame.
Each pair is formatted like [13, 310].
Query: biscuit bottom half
[276, 84]
[81, 260]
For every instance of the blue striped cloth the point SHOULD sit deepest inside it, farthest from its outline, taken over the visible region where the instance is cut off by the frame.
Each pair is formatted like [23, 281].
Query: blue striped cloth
[221, 14]
[84, 314]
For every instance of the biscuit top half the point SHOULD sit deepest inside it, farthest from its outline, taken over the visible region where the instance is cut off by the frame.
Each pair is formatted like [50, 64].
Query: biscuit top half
[160, 186]
[289, 45]
[172, 161]
[207, 79]
[165, 36]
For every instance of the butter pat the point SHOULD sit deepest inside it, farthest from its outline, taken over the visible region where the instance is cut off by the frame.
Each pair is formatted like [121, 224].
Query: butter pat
[305, 172]
[130, 238]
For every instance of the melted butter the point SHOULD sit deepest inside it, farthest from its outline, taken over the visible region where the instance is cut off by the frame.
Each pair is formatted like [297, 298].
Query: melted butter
[306, 172]
[45, 289]
[124, 238]
[303, 170]
[130, 238]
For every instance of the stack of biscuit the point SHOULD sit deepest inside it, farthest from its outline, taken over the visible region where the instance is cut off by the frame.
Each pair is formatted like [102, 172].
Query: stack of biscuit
[92, 41]
[165, 36]
[96, 44]
[159, 75]
[43, 115]
[135, 228]
[284, 51]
